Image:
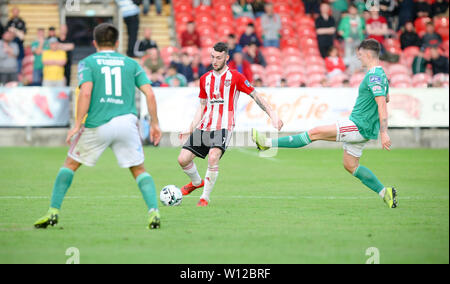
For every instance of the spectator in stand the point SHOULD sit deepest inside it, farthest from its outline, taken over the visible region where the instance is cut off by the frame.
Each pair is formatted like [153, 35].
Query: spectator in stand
[325, 29]
[233, 46]
[51, 32]
[153, 62]
[1, 30]
[68, 46]
[376, 26]
[19, 29]
[130, 14]
[258, 7]
[334, 64]
[422, 8]
[175, 79]
[9, 51]
[146, 4]
[241, 8]
[254, 55]
[54, 61]
[190, 36]
[141, 46]
[351, 28]
[338, 7]
[157, 80]
[419, 64]
[197, 67]
[283, 83]
[406, 12]
[439, 63]
[243, 66]
[431, 38]
[311, 7]
[185, 68]
[409, 37]
[258, 83]
[249, 36]
[18, 39]
[271, 25]
[197, 3]
[387, 9]
[37, 47]
[439, 8]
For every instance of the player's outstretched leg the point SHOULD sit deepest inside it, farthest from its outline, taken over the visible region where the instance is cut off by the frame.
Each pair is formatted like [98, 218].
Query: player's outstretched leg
[327, 133]
[148, 190]
[186, 161]
[60, 188]
[211, 176]
[369, 179]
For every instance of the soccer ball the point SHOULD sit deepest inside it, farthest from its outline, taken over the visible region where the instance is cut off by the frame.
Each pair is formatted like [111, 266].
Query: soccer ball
[171, 195]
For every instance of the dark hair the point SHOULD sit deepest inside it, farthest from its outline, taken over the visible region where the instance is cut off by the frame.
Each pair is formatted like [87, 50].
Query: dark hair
[52, 29]
[231, 36]
[106, 35]
[251, 25]
[371, 44]
[221, 47]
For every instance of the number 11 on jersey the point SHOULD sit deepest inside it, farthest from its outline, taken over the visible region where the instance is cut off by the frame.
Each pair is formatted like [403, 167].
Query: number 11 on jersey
[117, 73]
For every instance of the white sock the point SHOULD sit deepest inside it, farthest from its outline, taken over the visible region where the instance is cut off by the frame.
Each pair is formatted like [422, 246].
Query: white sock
[191, 171]
[210, 180]
[382, 192]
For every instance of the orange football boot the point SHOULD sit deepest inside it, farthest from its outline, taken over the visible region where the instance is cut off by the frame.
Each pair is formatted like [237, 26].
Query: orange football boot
[188, 188]
[202, 203]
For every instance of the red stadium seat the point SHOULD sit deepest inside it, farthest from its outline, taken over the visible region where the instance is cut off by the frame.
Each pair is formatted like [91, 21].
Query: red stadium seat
[289, 42]
[191, 50]
[440, 78]
[286, 21]
[295, 80]
[258, 70]
[420, 24]
[203, 9]
[273, 80]
[208, 41]
[282, 8]
[205, 56]
[268, 51]
[442, 27]
[390, 42]
[308, 42]
[314, 79]
[183, 18]
[290, 50]
[183, 8]
[273, 60]
[314, 60]
[292, 59]
[315, 69]
[411, 51]
[244, 21]
[394, 50]
[397, 79]
[397, 69]
[356, 79]
[305, 21]
[271, 69]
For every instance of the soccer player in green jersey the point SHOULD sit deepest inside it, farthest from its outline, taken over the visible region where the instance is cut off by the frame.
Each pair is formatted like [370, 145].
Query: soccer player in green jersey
[107, 83]
[368, 118]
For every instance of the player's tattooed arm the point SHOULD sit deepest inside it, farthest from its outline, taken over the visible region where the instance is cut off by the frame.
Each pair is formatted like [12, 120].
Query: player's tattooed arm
[383, 114]
[277, 123]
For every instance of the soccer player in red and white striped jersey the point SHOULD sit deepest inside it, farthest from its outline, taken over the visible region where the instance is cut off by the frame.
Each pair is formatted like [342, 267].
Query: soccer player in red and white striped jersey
[212, 127]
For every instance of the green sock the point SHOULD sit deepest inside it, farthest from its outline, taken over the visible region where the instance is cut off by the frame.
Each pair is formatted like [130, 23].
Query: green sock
[368, 178]
[62, 184]
[147, 187]
[296, 141]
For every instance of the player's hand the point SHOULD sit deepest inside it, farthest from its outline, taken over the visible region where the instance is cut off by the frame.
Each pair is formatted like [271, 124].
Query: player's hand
[72, 132]
[278, 124]
[385, 141]
[155, 134]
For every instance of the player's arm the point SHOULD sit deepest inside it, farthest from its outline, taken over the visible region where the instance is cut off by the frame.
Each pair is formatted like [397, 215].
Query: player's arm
[277, 123]
[155, 131]
[195, 121]
[84, 101]
[383, 114]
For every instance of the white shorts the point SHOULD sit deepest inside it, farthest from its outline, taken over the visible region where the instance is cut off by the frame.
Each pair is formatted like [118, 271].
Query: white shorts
[121, 134]
[347, 132]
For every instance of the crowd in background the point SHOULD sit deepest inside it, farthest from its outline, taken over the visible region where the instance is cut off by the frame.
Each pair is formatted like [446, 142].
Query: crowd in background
[340, 25]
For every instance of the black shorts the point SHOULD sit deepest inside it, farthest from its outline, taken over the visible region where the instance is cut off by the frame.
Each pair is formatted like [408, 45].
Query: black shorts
[200, 142]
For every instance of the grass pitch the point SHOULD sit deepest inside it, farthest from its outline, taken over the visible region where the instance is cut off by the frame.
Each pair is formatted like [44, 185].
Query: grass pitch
[299, 207]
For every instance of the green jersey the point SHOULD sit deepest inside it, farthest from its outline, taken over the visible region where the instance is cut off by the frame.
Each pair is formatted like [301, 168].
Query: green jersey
[37, 64]
[365, 112]
[114, 77]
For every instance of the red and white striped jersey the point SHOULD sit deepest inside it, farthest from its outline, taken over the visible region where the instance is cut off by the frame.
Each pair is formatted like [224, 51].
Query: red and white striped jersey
[222, 94]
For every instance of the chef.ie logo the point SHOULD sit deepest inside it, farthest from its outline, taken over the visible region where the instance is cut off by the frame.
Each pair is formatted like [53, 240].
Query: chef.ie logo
[373, 5]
